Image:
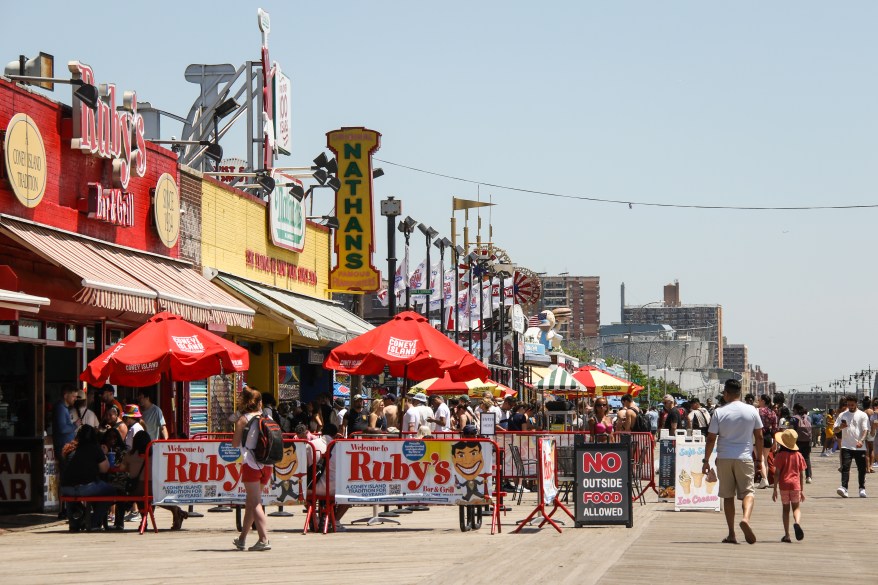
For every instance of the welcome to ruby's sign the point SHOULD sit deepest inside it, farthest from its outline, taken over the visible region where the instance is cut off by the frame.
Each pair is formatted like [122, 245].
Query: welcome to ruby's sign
[436, 471]
[207, 472]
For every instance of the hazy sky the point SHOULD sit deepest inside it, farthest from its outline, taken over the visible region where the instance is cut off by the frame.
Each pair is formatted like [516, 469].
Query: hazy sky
[707, 103]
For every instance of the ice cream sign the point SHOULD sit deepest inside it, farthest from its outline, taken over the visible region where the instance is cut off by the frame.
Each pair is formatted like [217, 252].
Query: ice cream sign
[694, 490]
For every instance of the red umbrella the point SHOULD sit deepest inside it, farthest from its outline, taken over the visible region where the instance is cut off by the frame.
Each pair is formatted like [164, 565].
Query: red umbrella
[166, 344]
[600, 382]
[410, 347]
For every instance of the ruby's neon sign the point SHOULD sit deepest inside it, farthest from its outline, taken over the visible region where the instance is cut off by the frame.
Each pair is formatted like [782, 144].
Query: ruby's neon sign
[108, 133]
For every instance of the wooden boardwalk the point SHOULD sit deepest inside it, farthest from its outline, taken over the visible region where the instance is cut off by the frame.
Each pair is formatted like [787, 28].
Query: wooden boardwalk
[663, 547]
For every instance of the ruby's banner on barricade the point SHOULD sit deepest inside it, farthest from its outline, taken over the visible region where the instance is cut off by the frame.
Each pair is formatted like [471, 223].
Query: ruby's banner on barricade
[547, 470]
[209, 472]
[435, 471]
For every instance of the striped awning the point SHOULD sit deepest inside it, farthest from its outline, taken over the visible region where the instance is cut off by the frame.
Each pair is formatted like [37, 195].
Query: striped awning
[122, 279]
[332, 321]
[559, 379]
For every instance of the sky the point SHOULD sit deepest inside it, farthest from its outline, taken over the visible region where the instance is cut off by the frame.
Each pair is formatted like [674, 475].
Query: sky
[769, 104]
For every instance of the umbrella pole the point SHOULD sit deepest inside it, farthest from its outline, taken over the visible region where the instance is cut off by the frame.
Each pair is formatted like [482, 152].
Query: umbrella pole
[405, 389]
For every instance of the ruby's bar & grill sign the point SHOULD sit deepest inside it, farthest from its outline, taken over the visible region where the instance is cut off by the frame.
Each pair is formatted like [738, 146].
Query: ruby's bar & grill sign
[354, 240]
[117, 135]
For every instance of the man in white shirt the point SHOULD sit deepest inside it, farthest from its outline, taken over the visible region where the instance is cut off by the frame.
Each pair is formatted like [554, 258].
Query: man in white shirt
[413, 417]
[424, 411]
[735, 429]
[852, 425]
[441, 418]
[336, 417]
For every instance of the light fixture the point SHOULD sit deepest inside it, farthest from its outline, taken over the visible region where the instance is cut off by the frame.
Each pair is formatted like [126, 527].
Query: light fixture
[213, 153]
[265, 180]
[84, 92]
[379, 172]
[324, 162]
[321, 176]
[330, 221]
[225, 108]
[460, 250]
[297, 191]
[427, 231]
[442, 243]
[334, 183]
[407, 225]
[43, 65]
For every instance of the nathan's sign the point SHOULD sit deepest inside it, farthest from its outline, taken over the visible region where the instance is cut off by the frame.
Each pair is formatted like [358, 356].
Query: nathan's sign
[206, 472]
[286, 217]
[402, 472]
[354, 240]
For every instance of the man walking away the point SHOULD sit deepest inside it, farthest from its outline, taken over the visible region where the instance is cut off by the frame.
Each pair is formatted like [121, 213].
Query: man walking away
[699, 418]
[153, 418]
[852, 425]
[734, 430]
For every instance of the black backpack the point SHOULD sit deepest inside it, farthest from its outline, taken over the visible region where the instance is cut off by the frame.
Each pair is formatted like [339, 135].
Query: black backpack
[641, 423]
[269, 447]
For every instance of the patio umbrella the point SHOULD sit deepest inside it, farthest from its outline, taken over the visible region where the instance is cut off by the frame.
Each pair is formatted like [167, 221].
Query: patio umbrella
[558, 381]
[601, 383]
[410, 348]
[474, 388]
[166, 345]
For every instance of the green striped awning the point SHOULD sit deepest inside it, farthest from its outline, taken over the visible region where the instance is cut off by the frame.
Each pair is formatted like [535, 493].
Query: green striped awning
[559, 379]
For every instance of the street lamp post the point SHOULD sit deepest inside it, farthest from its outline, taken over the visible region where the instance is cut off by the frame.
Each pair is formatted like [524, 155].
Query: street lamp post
[391, 208]
[640, 308]
[407, 226]
[442, 243]
[430, 234]
[458, 252]
[683, 367]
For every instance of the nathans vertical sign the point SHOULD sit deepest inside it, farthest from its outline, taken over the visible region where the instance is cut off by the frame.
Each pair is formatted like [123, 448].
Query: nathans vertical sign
[354, 240]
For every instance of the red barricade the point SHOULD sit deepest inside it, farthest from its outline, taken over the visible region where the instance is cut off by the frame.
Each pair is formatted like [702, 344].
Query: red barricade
[214, 473]
[367, 445]
[642, 455]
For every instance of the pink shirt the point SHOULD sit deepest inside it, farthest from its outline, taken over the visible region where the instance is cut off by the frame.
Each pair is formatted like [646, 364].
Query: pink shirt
[789, 465]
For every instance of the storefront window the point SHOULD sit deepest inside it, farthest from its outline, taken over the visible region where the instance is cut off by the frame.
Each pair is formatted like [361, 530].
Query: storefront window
[71, 333]
[115, 336]
[17, 404]
[29, 328]
[52, 331]
[5, 328]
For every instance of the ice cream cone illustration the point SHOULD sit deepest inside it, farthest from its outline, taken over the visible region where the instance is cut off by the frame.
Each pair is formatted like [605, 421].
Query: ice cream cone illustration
[697, 478]
[711, 480]
[685, 482]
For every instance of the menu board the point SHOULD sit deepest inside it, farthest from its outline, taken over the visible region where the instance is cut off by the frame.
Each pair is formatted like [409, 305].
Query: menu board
[667, 456]
[603, 484]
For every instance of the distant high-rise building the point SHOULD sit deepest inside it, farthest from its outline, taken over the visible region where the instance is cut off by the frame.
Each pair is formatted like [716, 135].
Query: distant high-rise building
[582, 295]
[735, 357]
[697, 321]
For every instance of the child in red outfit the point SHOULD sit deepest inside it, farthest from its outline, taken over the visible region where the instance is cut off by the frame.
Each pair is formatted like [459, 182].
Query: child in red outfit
[790, 473]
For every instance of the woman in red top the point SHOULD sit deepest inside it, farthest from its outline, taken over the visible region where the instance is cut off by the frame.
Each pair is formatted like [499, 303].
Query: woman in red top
[790, 468]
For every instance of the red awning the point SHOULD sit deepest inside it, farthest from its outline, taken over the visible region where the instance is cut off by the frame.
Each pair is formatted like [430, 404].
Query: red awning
[122, 279]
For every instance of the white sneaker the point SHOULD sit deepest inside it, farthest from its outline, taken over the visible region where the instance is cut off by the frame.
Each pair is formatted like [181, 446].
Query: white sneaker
[862, 492]
[842, 492]
[763, 484]
[807, 480]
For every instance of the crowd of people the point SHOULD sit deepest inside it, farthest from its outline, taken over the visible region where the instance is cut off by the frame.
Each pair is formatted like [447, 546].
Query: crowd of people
[101, 447]
[760, 443]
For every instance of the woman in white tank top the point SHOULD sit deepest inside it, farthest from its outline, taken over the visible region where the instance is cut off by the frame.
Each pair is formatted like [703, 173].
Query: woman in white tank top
[254, 475]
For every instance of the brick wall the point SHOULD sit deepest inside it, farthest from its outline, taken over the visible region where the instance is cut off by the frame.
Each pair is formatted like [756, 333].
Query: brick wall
[190, 221]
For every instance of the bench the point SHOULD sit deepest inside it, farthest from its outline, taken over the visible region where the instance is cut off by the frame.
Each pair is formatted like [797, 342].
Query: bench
[146, 509]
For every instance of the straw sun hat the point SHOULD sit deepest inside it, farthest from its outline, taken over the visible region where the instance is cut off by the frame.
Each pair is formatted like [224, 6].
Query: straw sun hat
[788, 439]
